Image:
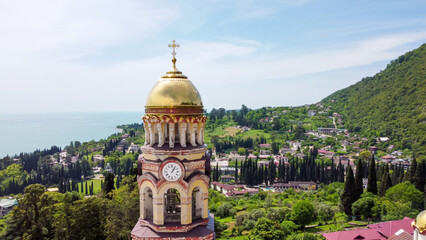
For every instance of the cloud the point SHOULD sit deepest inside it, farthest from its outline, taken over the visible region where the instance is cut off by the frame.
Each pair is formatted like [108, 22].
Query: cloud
[73, 29]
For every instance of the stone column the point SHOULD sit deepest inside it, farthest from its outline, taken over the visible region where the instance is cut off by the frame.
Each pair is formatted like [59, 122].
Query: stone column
[182, 134]
[151, 134]
[145, 127]
[142, 204]
[171, 135]
[158, 211]
[205, 213]
[160, 134]
[186, 211]
[193, 131]
[200, 139]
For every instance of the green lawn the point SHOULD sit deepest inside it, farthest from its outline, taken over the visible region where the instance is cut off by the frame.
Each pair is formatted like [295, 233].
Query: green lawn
[254, 133]
[96, 185]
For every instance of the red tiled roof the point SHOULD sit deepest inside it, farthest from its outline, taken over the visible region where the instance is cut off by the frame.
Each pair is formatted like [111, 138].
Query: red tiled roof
[390, 228]
[401, 236]
[265, 145]
[376, 231]
[364, 234]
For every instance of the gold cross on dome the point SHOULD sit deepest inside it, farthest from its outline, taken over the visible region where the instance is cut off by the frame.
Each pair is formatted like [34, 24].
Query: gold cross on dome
[174, 45]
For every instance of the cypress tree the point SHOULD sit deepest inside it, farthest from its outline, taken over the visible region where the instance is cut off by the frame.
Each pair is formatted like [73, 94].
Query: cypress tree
[358, 180]
[372, 179]
[341, 172]
[108, 186]
[236, 171]
[412, 171]
[419, 177]
[348, 195]
[395, 174]
[386, 182]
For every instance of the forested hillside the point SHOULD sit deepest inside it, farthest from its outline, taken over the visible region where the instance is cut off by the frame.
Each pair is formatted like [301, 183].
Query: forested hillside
[392, 103]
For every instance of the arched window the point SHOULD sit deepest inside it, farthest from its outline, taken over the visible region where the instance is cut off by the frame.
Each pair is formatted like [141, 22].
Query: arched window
[172, 207]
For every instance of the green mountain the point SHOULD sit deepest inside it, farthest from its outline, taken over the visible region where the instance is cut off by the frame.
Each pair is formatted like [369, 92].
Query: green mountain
[391, 104]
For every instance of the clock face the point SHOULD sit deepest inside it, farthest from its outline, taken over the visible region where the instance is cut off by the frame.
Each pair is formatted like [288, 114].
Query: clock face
[172, 171]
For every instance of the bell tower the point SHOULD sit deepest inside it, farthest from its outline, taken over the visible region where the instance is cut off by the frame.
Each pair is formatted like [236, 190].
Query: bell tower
[174, 168]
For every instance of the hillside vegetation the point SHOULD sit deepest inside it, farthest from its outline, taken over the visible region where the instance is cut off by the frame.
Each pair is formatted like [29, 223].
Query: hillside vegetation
[392, 103]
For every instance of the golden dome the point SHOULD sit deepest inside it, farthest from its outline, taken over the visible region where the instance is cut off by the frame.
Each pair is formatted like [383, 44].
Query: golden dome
[174, 90]
[420, 222]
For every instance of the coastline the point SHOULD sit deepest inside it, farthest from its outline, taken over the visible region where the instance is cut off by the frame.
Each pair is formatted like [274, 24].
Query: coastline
[28, 132]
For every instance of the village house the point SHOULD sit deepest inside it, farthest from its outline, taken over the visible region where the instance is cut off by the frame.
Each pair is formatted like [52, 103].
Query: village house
[298, 185]
[388, 158]
[234, 156]
[227, 178]
[98, 158]
[327, 131]
[311, 113]
[265, 145]
[382, 139]
[326, 153]
[134, 148]
[245, 128]
[284, 151]
[264, 152]
[74, 159]
[295, 145]
[227, 170]
[300, 155]
[233, 190]
[6, 205]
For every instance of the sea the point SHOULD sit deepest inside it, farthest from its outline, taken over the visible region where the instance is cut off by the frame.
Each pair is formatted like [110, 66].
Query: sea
[26, 132]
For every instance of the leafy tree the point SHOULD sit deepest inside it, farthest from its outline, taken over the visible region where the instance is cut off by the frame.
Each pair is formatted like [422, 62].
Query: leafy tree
[325, 212]
[289, 227]
[303, 236]
[256, 214]
[405, 192]
[33, 217]
[266, 229]
[363, 206]
[219, 227]
[225, 209]
[303, 213]
[122, 210]
[397, 210]
[241, 151]
[365, 155]
[88, 218]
